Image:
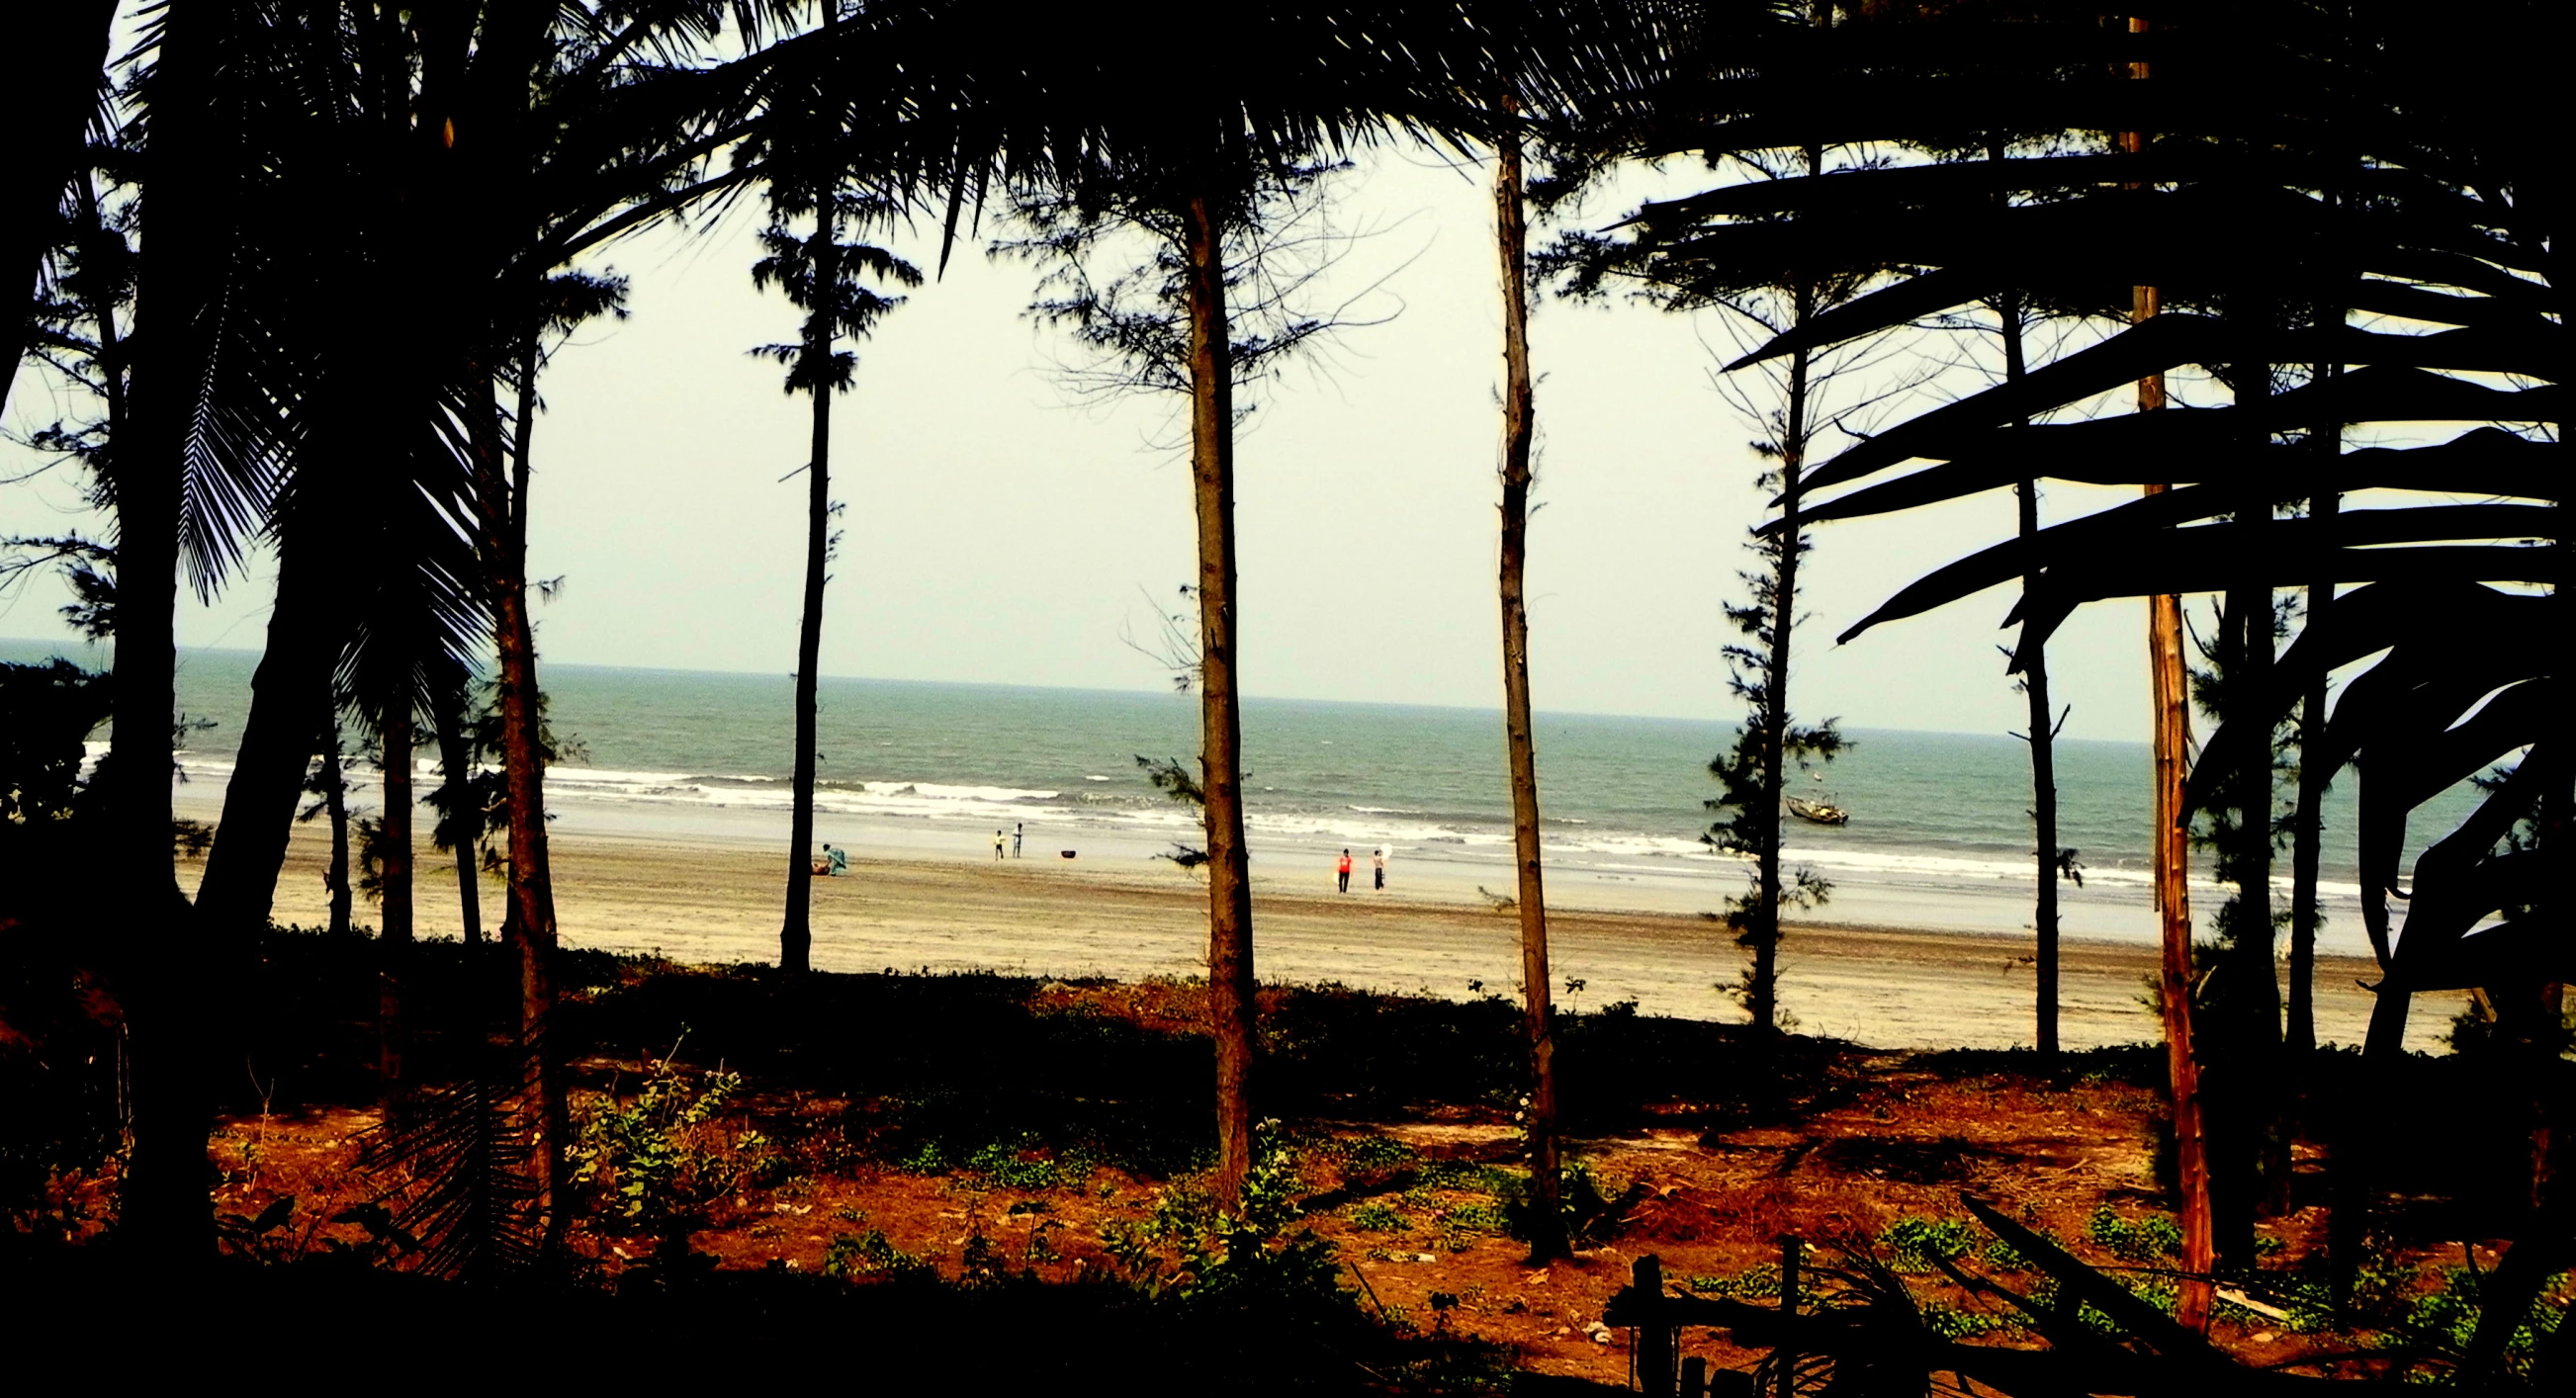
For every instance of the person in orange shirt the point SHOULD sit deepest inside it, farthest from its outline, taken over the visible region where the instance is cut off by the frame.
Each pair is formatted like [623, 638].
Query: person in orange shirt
[1343, 869]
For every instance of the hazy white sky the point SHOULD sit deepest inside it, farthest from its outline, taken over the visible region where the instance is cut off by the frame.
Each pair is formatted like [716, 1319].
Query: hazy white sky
[1000, 530]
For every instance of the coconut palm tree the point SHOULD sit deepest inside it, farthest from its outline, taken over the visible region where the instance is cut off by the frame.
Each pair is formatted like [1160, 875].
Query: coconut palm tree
[471, 150]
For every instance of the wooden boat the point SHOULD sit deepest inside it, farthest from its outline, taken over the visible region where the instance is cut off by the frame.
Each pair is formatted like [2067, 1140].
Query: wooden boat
[1820, 812]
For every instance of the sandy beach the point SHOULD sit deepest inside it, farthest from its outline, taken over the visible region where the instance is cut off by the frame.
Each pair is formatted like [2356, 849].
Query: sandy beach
[1888, 987]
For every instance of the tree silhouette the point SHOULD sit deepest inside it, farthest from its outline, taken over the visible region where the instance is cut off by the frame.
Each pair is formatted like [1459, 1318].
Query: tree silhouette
[2441, 206]
[820, 274]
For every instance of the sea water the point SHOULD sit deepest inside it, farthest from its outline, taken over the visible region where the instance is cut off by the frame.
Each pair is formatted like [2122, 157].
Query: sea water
[1940, 834]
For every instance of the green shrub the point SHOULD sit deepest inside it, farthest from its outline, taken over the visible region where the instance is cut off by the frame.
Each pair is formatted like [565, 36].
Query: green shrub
[1913, 1243]
[1949, 1322]
[2157, 1237]
[1375, 1217]
[1590, 1216]
[1254, 1258]
[2004, 1257]
[661, 1157]
[1372, 1152]
[1759, 1282]
[872, 1255]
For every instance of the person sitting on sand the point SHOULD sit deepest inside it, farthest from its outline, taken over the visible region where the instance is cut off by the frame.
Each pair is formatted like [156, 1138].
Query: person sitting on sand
[839, 860]
[1343, 871]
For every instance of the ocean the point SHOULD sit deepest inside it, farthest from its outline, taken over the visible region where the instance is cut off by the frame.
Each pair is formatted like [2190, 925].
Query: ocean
[1939, 835]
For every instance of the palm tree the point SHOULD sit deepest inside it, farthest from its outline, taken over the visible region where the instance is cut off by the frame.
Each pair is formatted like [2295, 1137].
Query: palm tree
[472, 150]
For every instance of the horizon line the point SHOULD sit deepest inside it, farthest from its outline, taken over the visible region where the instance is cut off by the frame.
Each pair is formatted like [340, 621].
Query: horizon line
[185, 651]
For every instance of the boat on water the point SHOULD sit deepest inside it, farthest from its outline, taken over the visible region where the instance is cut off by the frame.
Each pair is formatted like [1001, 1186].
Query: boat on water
[1819, 812]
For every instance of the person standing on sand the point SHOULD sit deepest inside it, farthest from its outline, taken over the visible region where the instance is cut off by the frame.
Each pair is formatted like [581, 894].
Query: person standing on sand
[1019, 829]
[1377, 865]
[1343, 870]
[997, 844]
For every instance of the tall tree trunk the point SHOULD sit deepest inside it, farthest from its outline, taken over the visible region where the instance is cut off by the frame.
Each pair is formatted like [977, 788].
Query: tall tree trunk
[165, 1210]
[1511, 235]
[1773, 715]
[796, 934]
[1232, 1009]
[532, 906]
[456, 771]
[393, 942]
[2043, 732]
[279, 738]
[335, 805]
[2308, 832]
[2170, 705]
[2250, 1172]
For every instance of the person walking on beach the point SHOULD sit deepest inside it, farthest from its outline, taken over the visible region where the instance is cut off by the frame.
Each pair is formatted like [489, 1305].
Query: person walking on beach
[1343, 869]
[1019, 829]
[997, 844]
[1377, 865]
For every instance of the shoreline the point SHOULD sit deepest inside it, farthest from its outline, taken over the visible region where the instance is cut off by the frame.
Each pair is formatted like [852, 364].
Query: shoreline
[715, 902]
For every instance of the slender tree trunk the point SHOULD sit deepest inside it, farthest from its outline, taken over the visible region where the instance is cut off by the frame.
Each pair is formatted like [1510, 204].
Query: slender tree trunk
[796, 935]
[1232, 1009]
[393, 943]
[279, 739]
[1511, 232]
[532, 909]
[2308, 837]
[1773, 715]
[335, 805]
[2043, 732]
[2251, 1177]
[456, 771]
[2172, 745]
[2171, 708]
[165, 1210]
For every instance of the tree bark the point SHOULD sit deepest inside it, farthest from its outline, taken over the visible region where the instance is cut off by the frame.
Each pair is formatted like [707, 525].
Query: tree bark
[2172, 846]
[2308, 833]
[532, 907]
[2251, 1156]
[2043, 736]
[335, 805]
[1511, 232]
[2170, 707]
[456, 770]
[796, 934]
[393, 942]
[164, 1208]
[165, 1211]
[1764, 935]
[1232, 1010]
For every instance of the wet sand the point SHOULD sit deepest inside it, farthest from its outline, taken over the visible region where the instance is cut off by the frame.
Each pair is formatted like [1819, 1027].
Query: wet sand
[1887, 987]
